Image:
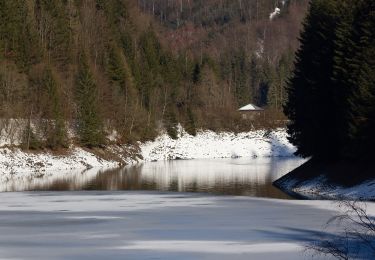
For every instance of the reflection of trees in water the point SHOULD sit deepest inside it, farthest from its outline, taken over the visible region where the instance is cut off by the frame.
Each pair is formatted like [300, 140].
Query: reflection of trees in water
[252, 177]
[236, 177]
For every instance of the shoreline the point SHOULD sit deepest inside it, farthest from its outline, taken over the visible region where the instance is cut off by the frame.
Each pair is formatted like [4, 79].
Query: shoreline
[15, 163]
[330, 181]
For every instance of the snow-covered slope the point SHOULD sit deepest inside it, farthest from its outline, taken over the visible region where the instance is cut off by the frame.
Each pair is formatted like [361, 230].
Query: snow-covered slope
[208, 144]
[321, 188]
[16, 163]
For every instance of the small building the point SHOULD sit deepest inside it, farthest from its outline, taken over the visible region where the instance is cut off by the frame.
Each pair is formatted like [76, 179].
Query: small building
[250, 112]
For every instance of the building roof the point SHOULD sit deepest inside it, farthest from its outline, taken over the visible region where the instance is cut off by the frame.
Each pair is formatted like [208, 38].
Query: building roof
[250, 107]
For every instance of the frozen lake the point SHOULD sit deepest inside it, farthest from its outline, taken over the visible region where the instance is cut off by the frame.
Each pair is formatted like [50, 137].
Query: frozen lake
[156, 225]
[242, 176]
[163, 210]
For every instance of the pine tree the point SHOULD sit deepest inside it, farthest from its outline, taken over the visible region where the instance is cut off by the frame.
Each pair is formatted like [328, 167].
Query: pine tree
[90, 126]
[196, 75]
[355, 73]
[311, 104]
[57, 135]
[190, 126]
[170, 122]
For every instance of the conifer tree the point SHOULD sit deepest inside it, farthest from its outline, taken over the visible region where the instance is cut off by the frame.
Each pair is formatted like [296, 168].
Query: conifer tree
[57, 135]
[190, 126]
[196, 75]
[170, 122]
[311, 105]
[355, 74]
[90, 126]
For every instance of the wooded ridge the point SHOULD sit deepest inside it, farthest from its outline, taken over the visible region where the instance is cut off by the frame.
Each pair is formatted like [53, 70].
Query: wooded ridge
[95, 66]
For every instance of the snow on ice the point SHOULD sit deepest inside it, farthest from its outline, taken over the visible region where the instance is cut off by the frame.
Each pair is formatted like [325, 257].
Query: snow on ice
[144, 225]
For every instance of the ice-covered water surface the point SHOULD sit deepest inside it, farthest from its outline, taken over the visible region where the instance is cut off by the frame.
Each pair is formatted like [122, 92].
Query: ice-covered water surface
[242, 176]
[150, 225]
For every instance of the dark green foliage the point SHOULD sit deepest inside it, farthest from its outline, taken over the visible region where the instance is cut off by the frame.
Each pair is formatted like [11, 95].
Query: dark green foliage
[275, 80]
[240, 76]
[53, 26]
[190, 126]
[196, 77]
[146, 74]
[311, 107]
[17, 41]
[355, 68]
[56, 134]
[90, 126]
[100, 4]
[331, 97]
[30, 140]
[116, 68]
[170, 123]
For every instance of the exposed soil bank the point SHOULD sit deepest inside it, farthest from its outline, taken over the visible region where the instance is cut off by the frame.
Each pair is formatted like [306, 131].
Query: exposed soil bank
[331, 180]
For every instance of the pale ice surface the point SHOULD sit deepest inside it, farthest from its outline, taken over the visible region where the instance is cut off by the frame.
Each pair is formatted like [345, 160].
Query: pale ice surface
[151, 225]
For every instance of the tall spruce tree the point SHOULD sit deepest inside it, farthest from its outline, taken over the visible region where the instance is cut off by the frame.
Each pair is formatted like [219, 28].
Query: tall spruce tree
[56, 134]
[356, 74]
[90, 125]
[311, 106]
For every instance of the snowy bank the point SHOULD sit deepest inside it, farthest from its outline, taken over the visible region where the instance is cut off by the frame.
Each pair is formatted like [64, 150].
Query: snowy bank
[208, 144]
[15, 163]
[340, 180]
[321, 188]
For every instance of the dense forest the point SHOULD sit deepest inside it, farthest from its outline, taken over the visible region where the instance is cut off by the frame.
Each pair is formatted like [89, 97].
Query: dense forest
[135, 66]
[331, 100]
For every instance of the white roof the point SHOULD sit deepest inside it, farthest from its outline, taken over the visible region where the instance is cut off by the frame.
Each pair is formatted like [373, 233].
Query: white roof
[250, 107]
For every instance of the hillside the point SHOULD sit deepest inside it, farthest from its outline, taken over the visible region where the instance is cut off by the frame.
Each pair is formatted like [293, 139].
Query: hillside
[83, 69]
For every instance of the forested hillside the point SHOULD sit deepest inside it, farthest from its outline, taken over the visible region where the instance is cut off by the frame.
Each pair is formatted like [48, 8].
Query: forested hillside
[134, 66]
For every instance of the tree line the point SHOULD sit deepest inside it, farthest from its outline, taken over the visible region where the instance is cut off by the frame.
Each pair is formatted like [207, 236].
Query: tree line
[99, 67]
[331, 95]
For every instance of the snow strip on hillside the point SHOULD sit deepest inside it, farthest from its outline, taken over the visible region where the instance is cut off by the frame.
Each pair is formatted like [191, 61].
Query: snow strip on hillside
[208, 144]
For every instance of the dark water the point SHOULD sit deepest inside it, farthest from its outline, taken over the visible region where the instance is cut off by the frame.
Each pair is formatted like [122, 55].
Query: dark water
[244, 176]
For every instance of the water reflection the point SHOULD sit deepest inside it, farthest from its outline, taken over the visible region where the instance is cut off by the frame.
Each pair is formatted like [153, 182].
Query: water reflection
[245, 176]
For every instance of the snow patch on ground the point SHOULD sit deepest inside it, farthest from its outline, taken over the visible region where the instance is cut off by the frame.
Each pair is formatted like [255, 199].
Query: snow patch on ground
[320, 188]
[208, 144]
[275, 13]
[15, 163]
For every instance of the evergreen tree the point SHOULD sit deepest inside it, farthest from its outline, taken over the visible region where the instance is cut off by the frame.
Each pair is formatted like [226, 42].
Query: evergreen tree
[170, 122]
[311, 104]
[56, 135]
[190, 126]
[196, 75]
[240, 78]
[355, 75]
[90, 126]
